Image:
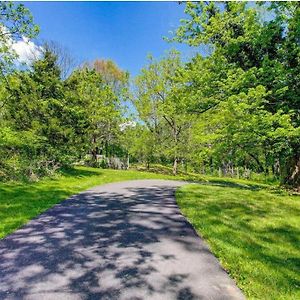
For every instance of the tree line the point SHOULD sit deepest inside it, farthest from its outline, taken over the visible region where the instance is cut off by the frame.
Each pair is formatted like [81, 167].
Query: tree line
[233, 110]
[236, 108]
[52, 117]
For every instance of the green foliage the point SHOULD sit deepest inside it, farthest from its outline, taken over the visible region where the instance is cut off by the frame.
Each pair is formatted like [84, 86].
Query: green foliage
[16, 22]
[99, 106]
[231, 112]
[47, 122]
[163, 110]
[246, 92]
[37, 111]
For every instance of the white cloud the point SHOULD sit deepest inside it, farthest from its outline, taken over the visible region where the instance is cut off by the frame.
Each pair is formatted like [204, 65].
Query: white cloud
[27, 51]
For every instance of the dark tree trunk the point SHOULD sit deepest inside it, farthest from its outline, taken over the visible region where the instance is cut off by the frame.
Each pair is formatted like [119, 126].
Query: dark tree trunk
[106, 149]
[94, 155]
[292, 174]
[94, 150]
[259, 164]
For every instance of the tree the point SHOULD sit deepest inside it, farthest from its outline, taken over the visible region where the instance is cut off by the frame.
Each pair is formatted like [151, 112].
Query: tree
[15, 22]
[65, 61]
[100, 106]
[257, 49]
[36, 105]
[111, 75]
[161, 107]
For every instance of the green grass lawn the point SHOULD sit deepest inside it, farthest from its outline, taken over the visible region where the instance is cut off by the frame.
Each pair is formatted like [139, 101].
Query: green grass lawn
[20, 202]
[252, 228]
[254, 232]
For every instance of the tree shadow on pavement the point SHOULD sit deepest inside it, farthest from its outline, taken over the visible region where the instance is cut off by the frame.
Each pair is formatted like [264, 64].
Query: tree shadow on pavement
[102, 245]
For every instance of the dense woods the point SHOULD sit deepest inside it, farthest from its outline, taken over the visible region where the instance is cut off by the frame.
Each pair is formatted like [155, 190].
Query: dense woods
[233, 111]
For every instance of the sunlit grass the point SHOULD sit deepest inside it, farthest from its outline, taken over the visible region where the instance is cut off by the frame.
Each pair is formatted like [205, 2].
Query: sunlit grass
[252, 228]
[20, 202]
[254, 232]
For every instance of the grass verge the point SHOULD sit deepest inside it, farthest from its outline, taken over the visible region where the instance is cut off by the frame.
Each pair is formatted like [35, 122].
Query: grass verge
[253, 231]
[20, 202]
[252, 228]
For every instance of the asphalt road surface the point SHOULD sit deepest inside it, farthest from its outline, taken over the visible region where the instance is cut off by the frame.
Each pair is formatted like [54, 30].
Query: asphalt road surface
[123, 240]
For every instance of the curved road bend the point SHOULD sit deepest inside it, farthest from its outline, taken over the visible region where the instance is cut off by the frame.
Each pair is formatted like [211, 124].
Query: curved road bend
[123, 240]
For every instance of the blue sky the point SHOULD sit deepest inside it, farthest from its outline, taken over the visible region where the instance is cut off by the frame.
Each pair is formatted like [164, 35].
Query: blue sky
[122, 31]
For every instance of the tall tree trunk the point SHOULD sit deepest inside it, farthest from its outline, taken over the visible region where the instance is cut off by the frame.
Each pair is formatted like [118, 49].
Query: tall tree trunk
[292, 172]
[106, 149]
[211, 167]
[128, 162]
[175, 166]
[220, 172]
[175, 135]
[94, 150]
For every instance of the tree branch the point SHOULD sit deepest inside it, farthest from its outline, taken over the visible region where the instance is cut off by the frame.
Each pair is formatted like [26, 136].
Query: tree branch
[205, 109]
[168, 121]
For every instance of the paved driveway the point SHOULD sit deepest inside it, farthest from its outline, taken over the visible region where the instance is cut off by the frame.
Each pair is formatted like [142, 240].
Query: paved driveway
[123, 240]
